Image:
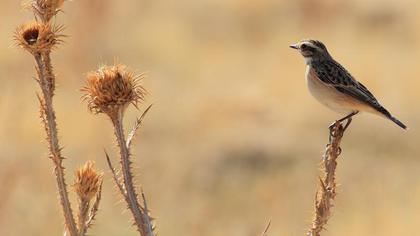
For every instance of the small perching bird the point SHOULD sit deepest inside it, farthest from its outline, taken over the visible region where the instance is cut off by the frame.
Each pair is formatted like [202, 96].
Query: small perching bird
[332, 85]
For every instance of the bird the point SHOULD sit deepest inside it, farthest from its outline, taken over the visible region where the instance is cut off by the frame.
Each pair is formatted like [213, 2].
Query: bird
[333, 86]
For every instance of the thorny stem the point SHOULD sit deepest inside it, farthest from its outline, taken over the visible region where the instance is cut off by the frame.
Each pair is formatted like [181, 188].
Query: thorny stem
[327, 187]
[49, 73]
[131, 195]
[146, 216]
[45, 78]
[94, 208]
[83, 215]
[115, 176]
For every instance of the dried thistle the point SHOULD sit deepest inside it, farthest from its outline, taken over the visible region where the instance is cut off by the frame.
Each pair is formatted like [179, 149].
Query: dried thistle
[87, 185]
[36, 37]
[88, 181]
[45, 9]
[111, 89]
[327, 184]
[39, 38]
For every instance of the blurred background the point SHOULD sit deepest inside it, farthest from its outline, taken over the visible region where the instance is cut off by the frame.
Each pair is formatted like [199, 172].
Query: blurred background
[234, 138]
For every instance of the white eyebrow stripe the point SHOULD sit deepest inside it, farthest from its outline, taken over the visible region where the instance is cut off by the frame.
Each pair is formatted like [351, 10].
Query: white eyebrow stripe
[310, 44]
[313, 45]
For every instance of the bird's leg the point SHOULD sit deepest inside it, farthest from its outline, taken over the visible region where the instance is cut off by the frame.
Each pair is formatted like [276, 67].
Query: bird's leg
[347, 123]
[348, 118]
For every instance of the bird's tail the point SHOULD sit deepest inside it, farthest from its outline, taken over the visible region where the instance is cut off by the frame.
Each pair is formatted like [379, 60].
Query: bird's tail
[388, 115]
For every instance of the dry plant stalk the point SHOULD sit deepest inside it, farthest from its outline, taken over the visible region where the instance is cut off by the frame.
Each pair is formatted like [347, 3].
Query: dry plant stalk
[87, 185]
[327, 184]
[265, 232]
[110, 90]
[39, 38]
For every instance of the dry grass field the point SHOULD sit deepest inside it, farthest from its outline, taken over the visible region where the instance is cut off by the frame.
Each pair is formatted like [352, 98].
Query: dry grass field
[234, 138]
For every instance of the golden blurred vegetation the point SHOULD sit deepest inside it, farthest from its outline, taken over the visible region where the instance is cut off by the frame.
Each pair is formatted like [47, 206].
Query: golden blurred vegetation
[234, 138]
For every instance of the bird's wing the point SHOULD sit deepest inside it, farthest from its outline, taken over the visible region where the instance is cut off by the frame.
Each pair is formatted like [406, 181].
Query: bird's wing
[333, 74]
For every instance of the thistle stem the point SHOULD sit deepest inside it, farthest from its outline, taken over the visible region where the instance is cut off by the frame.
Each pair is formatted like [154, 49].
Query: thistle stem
[327, 186]
[131, 195]
[83, 215]
[45, 78]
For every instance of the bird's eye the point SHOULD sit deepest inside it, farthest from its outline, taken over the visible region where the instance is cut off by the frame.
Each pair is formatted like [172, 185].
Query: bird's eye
[303, 46]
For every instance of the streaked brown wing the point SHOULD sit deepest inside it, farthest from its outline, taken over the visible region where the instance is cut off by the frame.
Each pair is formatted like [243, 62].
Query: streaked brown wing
[332, 73]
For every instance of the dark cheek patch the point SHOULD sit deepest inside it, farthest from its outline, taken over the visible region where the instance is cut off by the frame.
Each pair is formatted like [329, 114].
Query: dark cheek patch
[309, 51]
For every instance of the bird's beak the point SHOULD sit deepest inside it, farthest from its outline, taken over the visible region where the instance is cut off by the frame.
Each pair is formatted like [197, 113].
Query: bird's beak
[294, 46]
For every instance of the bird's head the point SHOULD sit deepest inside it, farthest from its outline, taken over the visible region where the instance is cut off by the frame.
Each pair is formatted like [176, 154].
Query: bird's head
[312, 50]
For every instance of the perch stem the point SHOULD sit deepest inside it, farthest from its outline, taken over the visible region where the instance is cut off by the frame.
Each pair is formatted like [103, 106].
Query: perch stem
[327, 186]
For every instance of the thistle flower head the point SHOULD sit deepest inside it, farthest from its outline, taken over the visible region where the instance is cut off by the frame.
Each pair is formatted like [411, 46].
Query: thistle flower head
[87, 181]
[45, 9]
[111, 89]
[36, 37]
